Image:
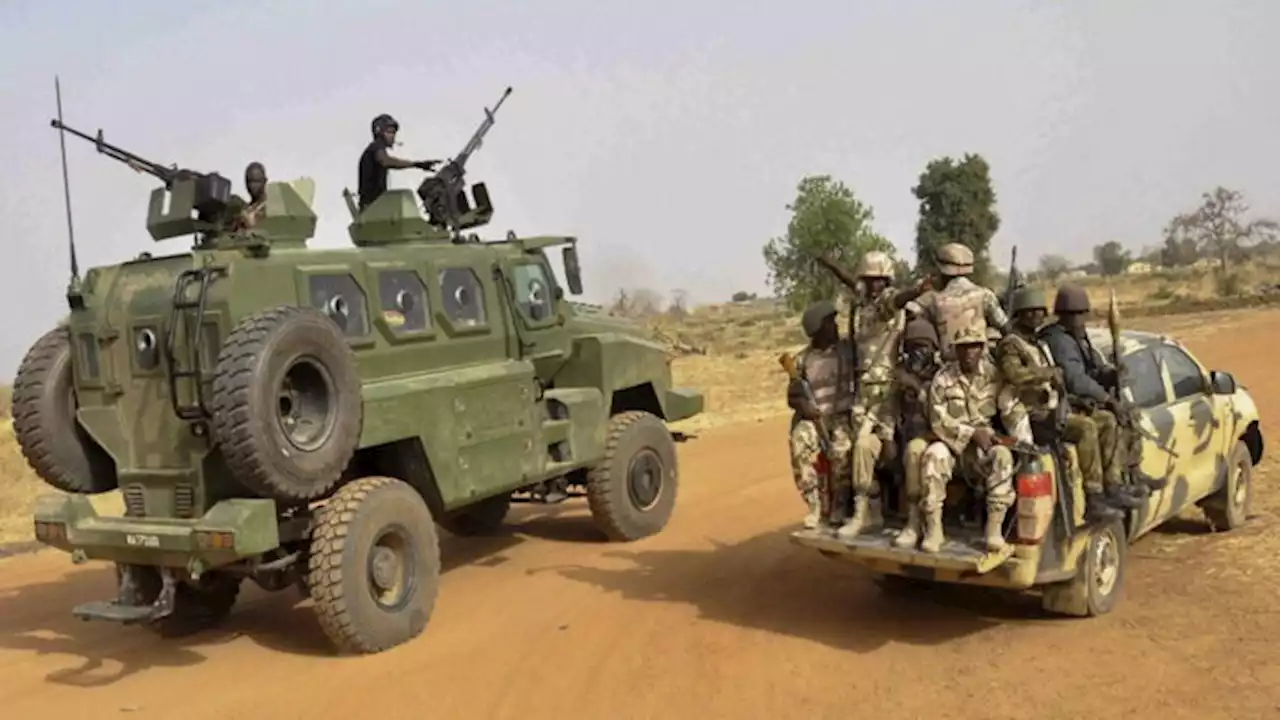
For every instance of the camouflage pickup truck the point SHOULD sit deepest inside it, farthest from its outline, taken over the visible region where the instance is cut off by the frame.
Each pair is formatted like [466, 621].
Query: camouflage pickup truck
[306, 417]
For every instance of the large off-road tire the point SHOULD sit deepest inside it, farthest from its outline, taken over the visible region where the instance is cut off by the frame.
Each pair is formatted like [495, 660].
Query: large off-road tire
[1099, 579]
[287, 411]
[632, 491]
[374, 565]
[197, 606]
[1228, 508]
[482, 518]
[45, 425]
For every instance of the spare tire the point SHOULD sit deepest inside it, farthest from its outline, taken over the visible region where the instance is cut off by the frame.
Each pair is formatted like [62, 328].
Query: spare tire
[45, 425]
[287, 411]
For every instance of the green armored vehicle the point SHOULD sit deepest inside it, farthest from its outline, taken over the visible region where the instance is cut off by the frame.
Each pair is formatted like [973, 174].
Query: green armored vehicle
[306, 417]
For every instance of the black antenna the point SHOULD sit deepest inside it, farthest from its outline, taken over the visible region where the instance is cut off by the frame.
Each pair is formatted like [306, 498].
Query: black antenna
[66, 190]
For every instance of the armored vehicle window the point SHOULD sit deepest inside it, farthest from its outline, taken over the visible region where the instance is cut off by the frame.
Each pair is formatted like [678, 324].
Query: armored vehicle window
[404, 301]
[533, 291]
[340, 297]
[1144, 379]
[463, 296]
[1183, 373]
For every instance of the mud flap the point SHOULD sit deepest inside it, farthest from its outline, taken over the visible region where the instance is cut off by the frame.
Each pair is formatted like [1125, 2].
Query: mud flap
[955, 556]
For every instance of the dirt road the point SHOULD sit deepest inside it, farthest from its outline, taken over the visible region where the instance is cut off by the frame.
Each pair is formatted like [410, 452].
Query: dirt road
[717, 617]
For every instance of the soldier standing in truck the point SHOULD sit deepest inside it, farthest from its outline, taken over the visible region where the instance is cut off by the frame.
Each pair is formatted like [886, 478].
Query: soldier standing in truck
[827, 365]
[959, 296]
[376, 160]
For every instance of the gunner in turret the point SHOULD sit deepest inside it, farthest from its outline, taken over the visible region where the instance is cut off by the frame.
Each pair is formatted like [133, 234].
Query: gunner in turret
[375, 161]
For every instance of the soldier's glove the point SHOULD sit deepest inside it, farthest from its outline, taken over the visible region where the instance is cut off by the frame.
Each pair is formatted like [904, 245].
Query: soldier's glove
[427, 164]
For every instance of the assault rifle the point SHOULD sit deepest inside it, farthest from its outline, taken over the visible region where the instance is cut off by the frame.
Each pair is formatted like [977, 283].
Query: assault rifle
[1015, 281]
[444, 193]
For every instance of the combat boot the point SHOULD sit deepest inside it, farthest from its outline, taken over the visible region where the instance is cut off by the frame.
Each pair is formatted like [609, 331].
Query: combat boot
[814, 502]
[910, 534]
[853, 528]
[1098, 509]
[933, 537]
[1121, 498]
[995, 530]
[875, 514]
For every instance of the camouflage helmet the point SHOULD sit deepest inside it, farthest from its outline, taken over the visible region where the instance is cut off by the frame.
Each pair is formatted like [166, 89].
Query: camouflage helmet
[973, 332]
[954, 259]
[1071, 299]
[1028, 298]
[815, 315]
[876, 264]
[920, 330]
[383, 122]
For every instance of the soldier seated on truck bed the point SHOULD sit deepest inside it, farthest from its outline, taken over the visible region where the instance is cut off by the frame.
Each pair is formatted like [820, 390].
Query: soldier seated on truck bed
[828, 366]
[965, 398]
[913, 373]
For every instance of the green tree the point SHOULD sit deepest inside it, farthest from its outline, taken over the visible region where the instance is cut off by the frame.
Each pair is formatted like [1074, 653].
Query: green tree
[957, 204]
[825, 217]
[1218, 227]
[1112, 258]
[1053, 267]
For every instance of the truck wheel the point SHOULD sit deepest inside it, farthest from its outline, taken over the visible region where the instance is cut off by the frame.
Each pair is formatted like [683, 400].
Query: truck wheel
[287, 410]
[197, 606]
[44, 421]
[1228, 508]
[481, 518]
[374, 565]
[632, 491]
[1096, 587]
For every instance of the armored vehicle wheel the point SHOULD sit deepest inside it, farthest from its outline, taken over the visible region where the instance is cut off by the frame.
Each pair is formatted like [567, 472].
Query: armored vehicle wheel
[197, 605]
[44, 421]
[1099, 578]
[1228, 508]
[374, 565]
[286, 403]
[481, 518]
[633, 490]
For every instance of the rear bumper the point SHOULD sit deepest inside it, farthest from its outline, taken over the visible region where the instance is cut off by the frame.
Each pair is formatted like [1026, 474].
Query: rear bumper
[683, 403]
[232, 530]
[956, 562]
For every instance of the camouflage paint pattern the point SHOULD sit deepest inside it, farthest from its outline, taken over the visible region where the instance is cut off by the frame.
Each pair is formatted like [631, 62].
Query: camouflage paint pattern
[466, 402]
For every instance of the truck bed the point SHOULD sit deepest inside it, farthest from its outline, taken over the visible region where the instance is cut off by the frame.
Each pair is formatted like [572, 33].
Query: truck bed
[959, 554]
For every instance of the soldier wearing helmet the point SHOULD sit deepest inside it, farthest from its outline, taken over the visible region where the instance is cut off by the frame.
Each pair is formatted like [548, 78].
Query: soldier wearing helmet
[1089, 381]
[958, 296]
[964, 399]
[376, 160]
[917, 365]
[828, 366]
[1027, 366]
[875, 327]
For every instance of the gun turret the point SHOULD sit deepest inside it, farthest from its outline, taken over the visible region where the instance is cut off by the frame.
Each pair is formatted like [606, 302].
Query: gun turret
[210, 192]
[444, 194]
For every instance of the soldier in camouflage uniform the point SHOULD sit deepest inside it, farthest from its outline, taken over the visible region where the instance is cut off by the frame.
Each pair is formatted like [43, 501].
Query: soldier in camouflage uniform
[1089, 380]
[1027, 367]
[916, 367]
[958, 296]
[875, 327]
[828, 365]
[964, 398]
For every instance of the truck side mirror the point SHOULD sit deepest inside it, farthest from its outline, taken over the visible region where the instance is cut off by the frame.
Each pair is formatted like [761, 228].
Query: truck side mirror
[1223, 382]
[572, 271]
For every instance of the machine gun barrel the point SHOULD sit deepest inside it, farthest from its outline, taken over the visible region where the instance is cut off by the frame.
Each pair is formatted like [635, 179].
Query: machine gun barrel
[477, 138]
[165, 174]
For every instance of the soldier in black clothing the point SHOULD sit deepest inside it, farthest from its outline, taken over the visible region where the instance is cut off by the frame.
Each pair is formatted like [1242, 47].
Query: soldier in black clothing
[376, 160]
[915, 369]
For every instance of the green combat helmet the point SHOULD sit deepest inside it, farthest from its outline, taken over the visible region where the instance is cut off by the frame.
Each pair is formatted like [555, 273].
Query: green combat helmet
[1028, 298]
[815, 315]
[308, 417]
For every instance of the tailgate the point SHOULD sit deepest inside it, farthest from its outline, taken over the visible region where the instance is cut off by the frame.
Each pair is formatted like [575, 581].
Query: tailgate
[956, 561]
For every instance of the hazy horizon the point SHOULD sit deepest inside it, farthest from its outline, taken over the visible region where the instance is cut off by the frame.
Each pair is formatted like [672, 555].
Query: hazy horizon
[669, 138]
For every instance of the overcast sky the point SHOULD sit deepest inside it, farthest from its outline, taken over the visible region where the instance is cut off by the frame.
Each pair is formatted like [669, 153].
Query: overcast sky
[668, 136]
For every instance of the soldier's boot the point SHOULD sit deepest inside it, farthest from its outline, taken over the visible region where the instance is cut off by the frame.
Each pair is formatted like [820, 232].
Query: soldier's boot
[1121, 498]
[875, 514]
[840, 507]
[933, 537]
[1098, 508]
[854, 527]
[910, 534]
[995, 529]
[812, 499]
